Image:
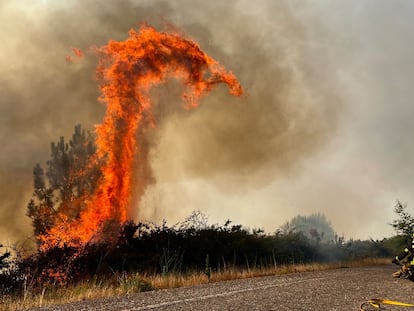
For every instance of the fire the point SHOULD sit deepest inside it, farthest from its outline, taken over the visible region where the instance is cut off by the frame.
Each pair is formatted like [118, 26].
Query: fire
[77, 52]
[127, 70]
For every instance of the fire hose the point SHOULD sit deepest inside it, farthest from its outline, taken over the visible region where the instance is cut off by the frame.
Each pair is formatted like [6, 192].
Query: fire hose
[376, 303]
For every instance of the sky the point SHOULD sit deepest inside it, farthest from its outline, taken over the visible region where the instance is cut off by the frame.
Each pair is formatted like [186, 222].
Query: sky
[325, 126]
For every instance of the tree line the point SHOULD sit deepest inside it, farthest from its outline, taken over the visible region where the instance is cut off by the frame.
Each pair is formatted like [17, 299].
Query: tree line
[160, 249]
[191, 245]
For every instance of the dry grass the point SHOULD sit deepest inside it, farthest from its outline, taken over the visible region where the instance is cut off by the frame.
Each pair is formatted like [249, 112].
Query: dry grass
[123, 284]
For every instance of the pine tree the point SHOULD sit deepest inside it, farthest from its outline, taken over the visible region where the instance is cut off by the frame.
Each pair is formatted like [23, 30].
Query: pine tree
[71, 176]
[404, 225]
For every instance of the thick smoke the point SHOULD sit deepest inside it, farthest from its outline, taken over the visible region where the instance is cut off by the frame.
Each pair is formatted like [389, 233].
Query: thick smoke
[302, 141]
[231, 145]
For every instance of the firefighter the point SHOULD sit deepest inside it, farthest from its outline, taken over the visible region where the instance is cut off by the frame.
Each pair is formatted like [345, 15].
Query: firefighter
[405, 260]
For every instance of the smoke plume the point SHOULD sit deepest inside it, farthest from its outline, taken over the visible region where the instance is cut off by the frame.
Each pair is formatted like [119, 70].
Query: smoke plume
[233, 146]
[314, 133]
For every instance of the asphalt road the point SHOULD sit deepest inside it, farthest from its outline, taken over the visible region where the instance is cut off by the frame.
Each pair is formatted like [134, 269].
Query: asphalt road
[338, 289]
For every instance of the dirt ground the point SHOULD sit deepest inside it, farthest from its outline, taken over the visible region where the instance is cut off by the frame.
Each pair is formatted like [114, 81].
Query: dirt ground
[338, 289]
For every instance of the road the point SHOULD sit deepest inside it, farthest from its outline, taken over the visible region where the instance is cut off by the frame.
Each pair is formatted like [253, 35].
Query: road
[338, 289]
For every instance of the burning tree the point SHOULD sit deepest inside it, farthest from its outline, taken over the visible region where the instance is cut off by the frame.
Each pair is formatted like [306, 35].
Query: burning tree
[71, 175]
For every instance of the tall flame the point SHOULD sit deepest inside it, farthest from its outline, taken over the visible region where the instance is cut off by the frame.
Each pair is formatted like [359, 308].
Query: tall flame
[127, 71]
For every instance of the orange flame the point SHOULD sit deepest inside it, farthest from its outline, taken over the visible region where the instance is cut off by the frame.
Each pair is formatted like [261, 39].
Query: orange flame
[78, 53]
[127, 71]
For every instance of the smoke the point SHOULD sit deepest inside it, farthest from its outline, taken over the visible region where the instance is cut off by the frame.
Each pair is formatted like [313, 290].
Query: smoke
[228, 148]
[323, 127]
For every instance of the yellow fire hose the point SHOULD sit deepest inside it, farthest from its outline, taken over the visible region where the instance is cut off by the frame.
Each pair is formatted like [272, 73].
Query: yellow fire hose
[376, 303]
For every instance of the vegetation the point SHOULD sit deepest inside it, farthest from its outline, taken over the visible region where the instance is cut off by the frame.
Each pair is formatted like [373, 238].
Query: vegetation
[149, 249]
[144, 256]
[69, 177]
[315, 227]
[404, 224]
[127, 283]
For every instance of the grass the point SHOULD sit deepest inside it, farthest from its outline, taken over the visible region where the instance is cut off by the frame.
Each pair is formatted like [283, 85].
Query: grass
[123, 284]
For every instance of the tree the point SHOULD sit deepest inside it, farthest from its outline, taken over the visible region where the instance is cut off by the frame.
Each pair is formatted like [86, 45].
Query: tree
[404, 225]
[315, 227]
[70, 178]
[41, 206]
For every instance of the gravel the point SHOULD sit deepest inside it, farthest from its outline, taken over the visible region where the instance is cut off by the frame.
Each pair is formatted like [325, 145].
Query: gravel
[336, 289]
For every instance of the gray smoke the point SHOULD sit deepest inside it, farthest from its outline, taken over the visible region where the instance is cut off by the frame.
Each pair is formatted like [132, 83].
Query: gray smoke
[325, 126]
